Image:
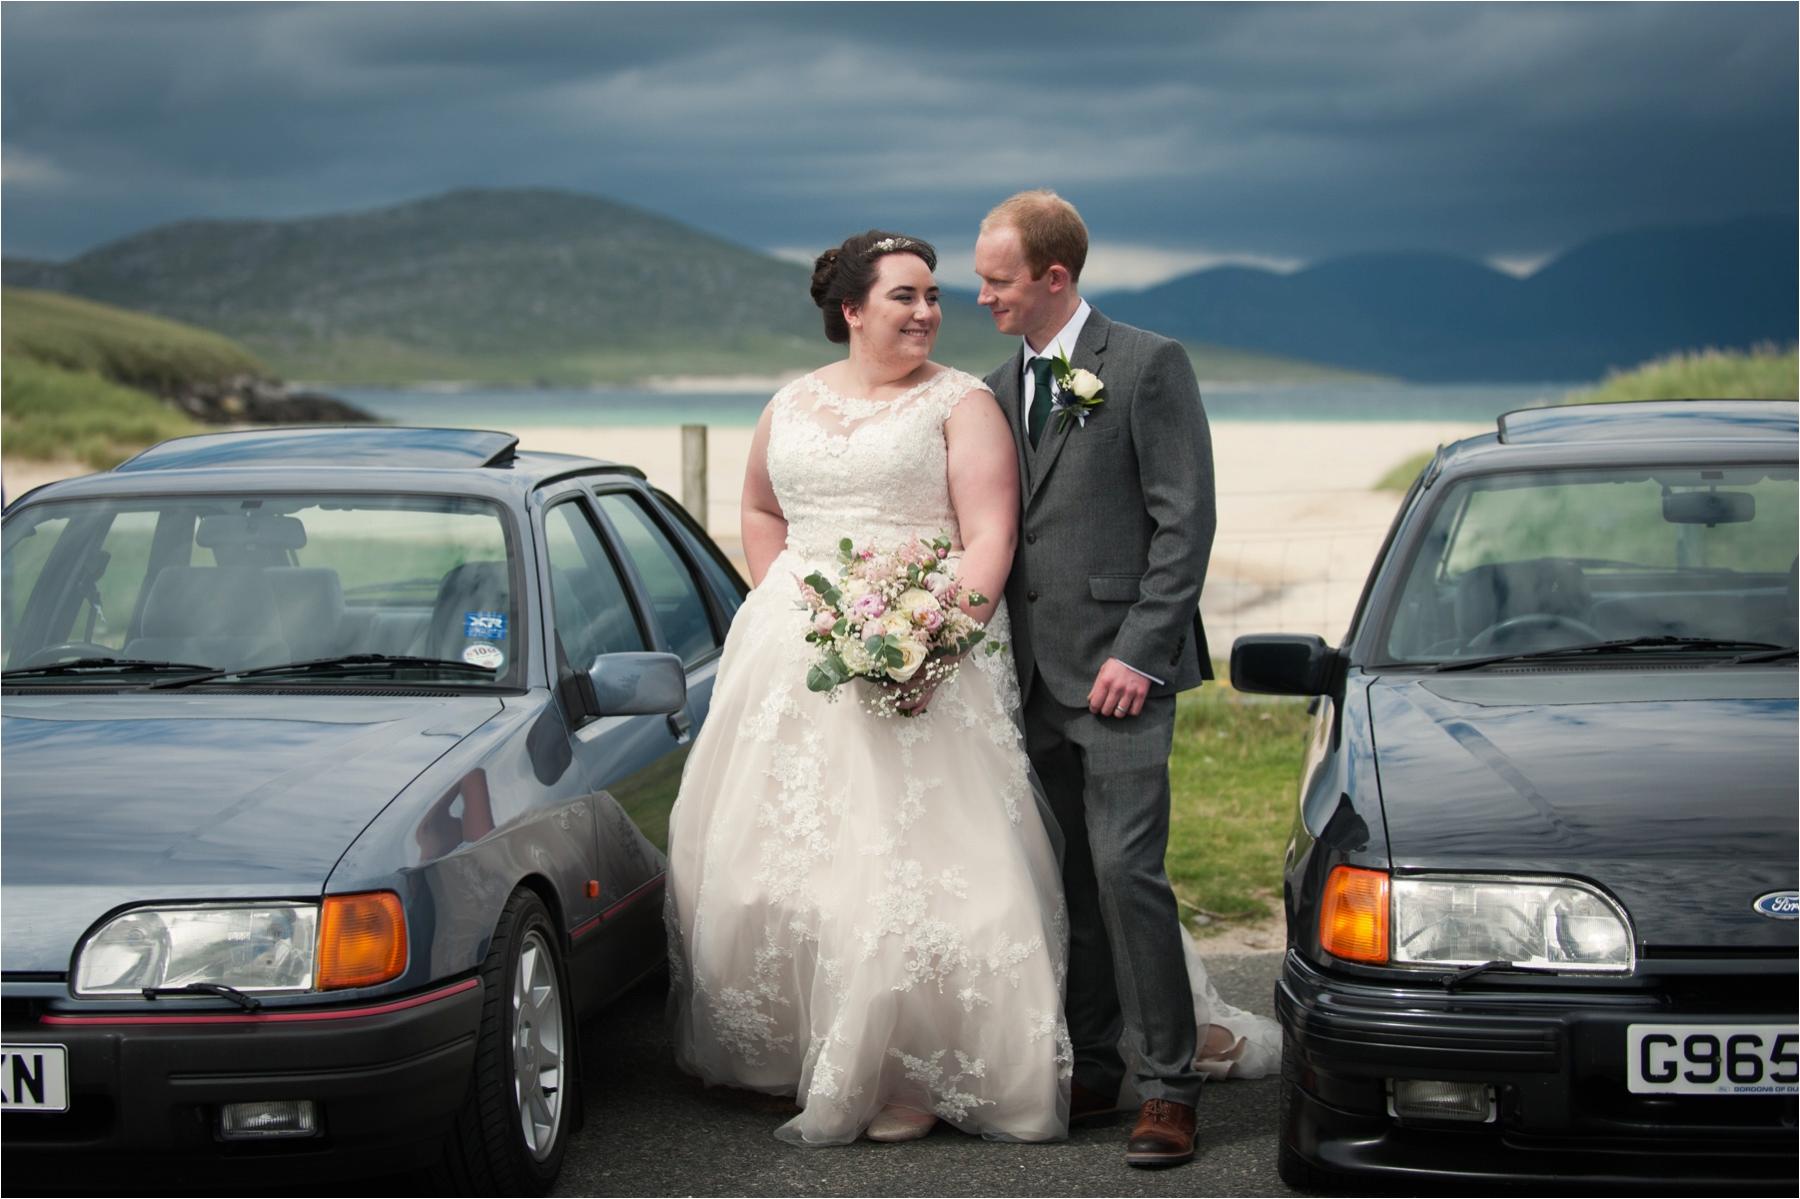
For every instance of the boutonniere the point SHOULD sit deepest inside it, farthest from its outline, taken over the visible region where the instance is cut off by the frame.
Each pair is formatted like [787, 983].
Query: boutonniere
[1078, 392]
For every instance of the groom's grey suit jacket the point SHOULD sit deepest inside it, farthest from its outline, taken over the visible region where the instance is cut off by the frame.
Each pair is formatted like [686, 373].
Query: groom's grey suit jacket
[1118, 519]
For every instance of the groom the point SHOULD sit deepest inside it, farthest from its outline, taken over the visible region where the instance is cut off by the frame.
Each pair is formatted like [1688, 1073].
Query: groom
[1116, 526]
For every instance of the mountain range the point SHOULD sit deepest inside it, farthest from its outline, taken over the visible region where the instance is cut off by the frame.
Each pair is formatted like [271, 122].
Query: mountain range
[526, 285]
[1610, 303]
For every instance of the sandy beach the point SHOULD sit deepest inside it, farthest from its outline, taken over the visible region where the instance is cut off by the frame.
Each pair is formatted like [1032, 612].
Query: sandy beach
[1298, 523]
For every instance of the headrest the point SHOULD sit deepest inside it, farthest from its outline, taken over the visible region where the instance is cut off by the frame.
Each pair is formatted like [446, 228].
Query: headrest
[254, 528]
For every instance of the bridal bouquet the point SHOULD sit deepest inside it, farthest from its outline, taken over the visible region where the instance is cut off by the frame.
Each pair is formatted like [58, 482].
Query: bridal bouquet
[893, 617]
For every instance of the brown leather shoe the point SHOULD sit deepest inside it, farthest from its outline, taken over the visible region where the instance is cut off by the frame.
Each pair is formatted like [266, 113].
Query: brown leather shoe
[1085, 1103]
[1163, 1135]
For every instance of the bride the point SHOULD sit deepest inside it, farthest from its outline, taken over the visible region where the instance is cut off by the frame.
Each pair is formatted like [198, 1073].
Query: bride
[866, 913]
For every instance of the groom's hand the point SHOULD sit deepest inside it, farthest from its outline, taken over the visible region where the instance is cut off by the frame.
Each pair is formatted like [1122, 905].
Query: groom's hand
[1118, 691]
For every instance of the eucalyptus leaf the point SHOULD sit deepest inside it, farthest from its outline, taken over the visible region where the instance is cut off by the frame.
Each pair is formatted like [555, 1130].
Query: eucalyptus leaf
[818, 680]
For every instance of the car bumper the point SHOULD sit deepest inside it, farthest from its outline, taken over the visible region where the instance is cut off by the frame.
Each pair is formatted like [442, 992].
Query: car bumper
[1557, 1066]
[386, 1078]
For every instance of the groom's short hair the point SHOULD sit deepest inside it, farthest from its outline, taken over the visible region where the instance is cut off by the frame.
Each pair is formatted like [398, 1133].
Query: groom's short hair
[1050, 230]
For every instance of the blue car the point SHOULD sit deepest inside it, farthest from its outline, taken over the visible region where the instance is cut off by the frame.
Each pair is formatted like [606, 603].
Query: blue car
[337, 767]
[1541, 892]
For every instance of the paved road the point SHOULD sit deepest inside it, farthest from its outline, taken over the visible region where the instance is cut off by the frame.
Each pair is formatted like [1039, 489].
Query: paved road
[651, 1130]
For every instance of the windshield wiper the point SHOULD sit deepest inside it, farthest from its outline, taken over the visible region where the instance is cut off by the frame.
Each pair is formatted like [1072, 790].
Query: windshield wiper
[85, 665]
[248, 1002]
[340, 662]
[1768, 655]
[1453, 981]
[1626, 644]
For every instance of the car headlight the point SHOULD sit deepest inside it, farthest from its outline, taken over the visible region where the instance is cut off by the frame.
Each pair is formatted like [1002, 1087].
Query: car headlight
[347, 941]
[1545, 924]
[254, 947]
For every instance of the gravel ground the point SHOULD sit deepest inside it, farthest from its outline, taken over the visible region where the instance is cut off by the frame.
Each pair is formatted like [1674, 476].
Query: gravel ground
[651, 1130]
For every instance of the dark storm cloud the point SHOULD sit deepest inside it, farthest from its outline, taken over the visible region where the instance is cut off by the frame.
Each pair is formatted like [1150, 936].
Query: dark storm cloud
[1282, 131]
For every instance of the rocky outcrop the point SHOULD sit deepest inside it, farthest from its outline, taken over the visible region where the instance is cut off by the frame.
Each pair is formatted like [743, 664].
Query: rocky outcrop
[247, 399]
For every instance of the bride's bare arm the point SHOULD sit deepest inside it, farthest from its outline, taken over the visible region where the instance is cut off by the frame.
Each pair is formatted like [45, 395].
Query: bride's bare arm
[984, 490]
[764, 525]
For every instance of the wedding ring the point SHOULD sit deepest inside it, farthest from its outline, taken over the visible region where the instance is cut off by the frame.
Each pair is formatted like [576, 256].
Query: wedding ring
[1119, 711]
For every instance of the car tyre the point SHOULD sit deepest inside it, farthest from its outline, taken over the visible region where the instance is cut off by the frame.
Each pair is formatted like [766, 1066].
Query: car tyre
[522, 1102]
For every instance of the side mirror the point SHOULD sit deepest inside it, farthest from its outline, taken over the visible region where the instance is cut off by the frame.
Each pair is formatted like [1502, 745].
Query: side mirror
[638, 684]
[1282, 664]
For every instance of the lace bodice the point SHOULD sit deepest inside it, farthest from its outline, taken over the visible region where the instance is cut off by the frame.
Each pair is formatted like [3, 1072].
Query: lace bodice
[870, 470]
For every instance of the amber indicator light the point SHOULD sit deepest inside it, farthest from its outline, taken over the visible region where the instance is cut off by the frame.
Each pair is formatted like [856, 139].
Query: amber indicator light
[1353, 919]
[362, 940]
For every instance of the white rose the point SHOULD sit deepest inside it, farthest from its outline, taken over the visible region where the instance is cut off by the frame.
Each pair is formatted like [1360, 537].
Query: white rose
[915, 603]
[852, 590]
[1085, 384]
[896, 624]
[912, 656]
[855, 657]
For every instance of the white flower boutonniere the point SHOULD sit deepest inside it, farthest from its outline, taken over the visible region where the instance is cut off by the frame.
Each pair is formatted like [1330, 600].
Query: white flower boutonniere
[1078, 392]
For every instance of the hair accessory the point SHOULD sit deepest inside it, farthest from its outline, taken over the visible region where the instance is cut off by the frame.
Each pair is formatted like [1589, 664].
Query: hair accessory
[888, 245]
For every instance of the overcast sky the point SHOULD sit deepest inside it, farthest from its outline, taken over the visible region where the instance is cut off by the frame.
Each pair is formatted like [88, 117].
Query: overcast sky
[1187, 134]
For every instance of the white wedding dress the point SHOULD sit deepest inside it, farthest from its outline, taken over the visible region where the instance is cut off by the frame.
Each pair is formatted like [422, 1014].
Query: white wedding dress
[862, 910]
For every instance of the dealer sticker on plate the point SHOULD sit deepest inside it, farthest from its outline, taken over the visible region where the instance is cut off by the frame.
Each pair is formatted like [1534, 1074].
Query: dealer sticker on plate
[1712, 1059]
[34, 1078]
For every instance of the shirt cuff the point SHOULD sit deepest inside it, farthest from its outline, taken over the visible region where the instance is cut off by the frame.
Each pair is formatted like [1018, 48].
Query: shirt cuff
[1145, 673]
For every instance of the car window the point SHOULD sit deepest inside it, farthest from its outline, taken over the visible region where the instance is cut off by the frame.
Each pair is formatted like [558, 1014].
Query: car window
[238, 582]
[1538, 560]
[714, 566]
[31, 537]
[680, 610]
[591, 610]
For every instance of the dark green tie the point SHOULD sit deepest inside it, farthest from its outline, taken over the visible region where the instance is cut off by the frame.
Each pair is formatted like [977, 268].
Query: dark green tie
[1040, 399]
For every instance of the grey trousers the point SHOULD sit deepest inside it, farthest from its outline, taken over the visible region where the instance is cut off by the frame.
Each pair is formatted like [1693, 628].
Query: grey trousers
[1107, 784]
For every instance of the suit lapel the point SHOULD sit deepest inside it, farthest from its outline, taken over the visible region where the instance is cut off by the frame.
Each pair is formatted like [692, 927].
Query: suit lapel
[1090, 349]
[1010, 396]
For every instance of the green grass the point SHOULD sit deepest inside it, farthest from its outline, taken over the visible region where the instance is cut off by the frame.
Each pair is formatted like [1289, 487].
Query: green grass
[50, 412]
[1766, 373]
[1235, 778]
[1402, 475]
[126, 347]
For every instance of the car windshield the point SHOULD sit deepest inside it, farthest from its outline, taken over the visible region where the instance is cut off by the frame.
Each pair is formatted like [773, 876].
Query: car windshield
[1672, 560]
[112, 587]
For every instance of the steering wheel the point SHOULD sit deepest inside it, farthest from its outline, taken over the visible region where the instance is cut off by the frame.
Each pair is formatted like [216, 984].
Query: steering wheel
[1503, 633]
[70, 650]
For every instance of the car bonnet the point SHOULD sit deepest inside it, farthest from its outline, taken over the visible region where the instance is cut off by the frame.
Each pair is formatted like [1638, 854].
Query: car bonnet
[114, 801]
[1672, 789]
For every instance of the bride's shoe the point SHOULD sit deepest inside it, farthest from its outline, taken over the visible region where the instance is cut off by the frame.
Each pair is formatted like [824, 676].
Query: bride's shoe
[1217, 1066]
[896, 1123]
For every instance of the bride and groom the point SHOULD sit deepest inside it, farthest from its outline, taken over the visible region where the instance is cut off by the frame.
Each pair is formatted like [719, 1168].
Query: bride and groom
[882, 918]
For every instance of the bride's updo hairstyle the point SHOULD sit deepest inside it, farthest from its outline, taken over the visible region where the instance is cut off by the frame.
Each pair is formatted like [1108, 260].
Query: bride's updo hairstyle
[845, 275]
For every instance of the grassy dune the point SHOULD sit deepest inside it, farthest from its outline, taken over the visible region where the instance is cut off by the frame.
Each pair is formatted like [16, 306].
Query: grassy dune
[1765, 373]
[140, 351]
[80, 381]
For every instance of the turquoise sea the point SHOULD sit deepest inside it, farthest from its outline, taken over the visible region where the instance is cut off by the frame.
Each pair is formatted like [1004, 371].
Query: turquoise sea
[525, 407]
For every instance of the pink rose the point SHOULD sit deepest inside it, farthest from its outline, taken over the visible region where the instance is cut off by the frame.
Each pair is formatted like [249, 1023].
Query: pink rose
[867, 607]
[824, 622]
[931, 620]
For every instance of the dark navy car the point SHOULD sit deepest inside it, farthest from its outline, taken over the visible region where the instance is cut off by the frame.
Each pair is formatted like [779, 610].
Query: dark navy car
[337, 771]
[1541, 891]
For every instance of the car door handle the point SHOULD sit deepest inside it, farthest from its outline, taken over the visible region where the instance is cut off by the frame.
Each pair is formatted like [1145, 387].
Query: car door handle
[681, 726]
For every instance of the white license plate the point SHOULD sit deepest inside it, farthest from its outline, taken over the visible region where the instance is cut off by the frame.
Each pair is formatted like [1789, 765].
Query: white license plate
[1712, 1059]
[34, 1078]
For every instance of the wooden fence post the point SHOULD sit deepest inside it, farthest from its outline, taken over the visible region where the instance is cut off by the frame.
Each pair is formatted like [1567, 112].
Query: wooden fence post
[693, 472]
